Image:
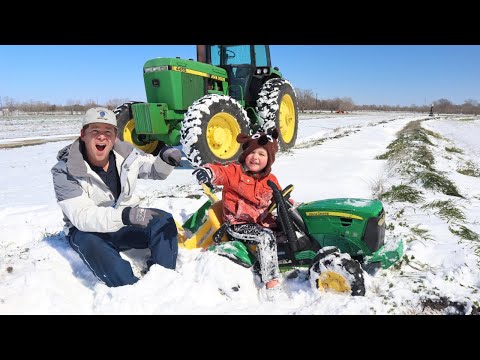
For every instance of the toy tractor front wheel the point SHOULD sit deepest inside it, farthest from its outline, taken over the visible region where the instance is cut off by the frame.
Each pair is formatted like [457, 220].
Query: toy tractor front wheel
[337, 272]
[277, 105]
[210, 128]
[126, 130]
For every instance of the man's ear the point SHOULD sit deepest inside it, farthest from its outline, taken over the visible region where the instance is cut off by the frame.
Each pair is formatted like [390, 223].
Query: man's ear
[82, 134]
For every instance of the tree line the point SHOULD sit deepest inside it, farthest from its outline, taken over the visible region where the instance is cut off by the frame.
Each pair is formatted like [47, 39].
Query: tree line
[9, 105]
[307, 101]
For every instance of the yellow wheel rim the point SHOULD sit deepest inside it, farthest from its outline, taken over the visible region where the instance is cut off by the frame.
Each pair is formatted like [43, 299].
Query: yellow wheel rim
[287, 118]
[128, 137]
[330, 280]
[222, 131]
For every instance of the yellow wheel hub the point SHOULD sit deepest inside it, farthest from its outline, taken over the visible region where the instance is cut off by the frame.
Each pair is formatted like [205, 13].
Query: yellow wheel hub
[330, 280]
[128, 137]
[287, 118]
[222, 131]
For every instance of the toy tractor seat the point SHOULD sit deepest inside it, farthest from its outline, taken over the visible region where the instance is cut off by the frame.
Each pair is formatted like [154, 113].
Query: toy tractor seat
[203, 237]
[215, 215]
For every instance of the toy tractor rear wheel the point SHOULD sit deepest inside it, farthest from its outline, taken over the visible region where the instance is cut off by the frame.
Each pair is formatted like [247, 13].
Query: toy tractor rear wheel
[210, 128]
[126, 130]
[277, 105]
[337, 272]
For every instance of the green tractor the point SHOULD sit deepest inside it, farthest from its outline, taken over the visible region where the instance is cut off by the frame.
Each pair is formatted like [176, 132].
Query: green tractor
[203, 105]
[334, 240]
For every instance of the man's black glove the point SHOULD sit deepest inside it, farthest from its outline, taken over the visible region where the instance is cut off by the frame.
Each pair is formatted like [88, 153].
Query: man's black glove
[204, 175]
[170, 155]
[138, 216]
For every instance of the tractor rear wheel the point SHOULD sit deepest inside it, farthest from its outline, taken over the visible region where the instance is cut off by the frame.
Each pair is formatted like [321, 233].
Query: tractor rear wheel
[337, 272]
[210, 128]
[126, 130]
[277, 105]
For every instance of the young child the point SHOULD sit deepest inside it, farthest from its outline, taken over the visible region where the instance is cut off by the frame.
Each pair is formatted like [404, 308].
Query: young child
[246, 198]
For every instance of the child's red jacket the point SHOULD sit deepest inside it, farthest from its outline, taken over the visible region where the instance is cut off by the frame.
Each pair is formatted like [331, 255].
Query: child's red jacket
[245, 198]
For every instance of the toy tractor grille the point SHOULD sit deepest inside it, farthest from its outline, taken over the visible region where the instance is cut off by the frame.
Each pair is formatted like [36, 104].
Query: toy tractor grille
[345, 221]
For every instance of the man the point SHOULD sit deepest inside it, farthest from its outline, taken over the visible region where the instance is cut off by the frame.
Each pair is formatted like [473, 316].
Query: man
[94, 181]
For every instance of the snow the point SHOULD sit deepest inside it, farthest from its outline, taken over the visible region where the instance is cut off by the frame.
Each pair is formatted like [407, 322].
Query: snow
[334, 158]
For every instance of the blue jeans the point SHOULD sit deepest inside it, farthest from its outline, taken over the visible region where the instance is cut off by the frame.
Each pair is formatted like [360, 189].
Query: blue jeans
[101, 251]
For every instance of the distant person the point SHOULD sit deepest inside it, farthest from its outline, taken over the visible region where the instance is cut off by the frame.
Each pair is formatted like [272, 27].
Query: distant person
[94, 181]
[431, 110]
[246, 198]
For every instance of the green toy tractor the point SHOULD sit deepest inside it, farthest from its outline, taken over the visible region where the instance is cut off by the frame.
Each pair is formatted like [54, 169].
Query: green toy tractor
[336, 240]
[203, 105]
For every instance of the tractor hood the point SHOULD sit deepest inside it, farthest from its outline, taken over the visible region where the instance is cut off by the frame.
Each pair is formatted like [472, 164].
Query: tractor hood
[185, 66]
[356, 208]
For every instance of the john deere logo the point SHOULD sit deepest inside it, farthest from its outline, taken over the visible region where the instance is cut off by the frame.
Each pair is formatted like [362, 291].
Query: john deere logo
[102, 114]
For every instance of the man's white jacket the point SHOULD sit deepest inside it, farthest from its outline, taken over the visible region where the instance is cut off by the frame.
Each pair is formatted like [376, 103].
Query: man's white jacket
[86, 201]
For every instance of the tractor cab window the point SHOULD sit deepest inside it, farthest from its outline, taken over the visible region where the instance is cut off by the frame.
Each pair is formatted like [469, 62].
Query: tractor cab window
[215, 55]
[237, 54]
[221, 55]
[261, 56]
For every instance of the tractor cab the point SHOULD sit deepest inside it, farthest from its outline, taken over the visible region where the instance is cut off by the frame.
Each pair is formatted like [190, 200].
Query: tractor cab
[247, 67]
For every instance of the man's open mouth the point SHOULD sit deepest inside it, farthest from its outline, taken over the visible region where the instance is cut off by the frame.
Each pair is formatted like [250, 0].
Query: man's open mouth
[100, 147]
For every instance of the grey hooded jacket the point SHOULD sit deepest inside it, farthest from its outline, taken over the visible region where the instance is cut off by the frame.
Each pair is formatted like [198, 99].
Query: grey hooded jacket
[86, 201]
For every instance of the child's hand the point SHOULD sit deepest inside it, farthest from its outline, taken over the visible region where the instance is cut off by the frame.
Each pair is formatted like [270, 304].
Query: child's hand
[204, 175]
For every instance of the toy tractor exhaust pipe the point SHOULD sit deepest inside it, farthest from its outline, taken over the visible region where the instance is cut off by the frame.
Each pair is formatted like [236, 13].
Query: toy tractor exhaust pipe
[202, 53]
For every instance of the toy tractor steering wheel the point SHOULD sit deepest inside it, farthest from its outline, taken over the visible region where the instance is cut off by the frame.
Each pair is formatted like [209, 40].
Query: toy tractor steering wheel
[286, 195]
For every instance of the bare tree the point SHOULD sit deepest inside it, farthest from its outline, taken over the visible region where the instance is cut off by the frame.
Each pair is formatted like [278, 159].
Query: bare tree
[472, 102]
[301, 99]
[346, 104]
[90, 103]
[69, 105]
[113, 103]
[9, 103]
[443, 106]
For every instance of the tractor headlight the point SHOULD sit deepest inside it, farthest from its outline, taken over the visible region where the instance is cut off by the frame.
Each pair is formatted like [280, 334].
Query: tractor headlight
[261, 71]
[155, 69]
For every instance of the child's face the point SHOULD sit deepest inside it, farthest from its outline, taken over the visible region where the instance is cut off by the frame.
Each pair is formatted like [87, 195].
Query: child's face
[257, 160]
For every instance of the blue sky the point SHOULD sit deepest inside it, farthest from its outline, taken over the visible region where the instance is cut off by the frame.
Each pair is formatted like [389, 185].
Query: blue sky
[369, 74]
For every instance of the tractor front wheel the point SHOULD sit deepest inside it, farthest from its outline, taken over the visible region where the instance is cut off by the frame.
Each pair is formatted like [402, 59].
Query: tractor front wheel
[337, 272]
[126, 130]
[278, 107]
[210, 128]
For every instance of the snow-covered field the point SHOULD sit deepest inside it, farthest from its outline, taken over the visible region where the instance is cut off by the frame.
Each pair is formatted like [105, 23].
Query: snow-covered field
[36, 126]
[334, 157]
